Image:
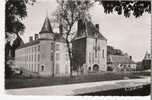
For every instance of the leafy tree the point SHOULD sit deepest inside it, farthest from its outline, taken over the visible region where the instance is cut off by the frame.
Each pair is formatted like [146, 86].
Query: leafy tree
[129, 7]
[15, 12]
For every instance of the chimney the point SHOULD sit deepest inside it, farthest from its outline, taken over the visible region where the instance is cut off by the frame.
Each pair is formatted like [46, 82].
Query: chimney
[61, 29]
[36, 36]
[30, 39]
[130, 57]
[97, 27]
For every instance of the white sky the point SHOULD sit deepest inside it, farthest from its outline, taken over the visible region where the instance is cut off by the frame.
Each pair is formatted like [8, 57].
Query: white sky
[132, 35]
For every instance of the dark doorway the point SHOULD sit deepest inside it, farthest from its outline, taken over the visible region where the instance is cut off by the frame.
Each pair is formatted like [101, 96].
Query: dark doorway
[95, 68]
[42, 68]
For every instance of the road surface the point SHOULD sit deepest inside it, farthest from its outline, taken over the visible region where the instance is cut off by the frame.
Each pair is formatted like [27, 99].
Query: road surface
[81, 88]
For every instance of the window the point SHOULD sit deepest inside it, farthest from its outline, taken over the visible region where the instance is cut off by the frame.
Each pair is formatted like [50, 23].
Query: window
[38, 57]
[57, 68]
[35, 57]
[66, 69]
[103, 53]
[52, 56]
[90, 57]
[35, 49]
[67, 57]
[32, 49]
[38, 48]
[98, 57]
[52, 46]
[57, 56]
[31, 57]
[32, 67]
[57, 47]
[29, 67]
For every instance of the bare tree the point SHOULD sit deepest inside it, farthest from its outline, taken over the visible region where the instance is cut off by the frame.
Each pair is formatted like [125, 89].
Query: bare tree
[67, 14]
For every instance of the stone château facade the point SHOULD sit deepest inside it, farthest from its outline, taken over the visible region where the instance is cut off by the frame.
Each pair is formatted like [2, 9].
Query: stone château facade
[48, 55]
[89, 48]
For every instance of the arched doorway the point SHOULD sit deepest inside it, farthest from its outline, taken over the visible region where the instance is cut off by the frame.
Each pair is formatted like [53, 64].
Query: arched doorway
[95, 68]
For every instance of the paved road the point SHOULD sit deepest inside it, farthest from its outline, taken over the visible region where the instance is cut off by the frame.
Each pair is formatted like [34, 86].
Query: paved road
[73, 89]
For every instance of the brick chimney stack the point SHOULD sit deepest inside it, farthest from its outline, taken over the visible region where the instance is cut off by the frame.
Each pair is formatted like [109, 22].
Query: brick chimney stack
[130, 57]
[97, 27]
[36, 36]
[30, 39]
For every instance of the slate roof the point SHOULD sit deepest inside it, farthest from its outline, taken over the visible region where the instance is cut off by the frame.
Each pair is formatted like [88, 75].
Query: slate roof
[46, 28]
[57, 38]
[121, 59]
[88, 29]
[34, 42]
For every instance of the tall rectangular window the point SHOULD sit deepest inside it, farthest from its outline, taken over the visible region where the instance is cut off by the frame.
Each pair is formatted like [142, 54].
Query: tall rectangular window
[57, 68]
[38, 57]
[98, 57]
[51, 56]
[92, 57]
[35, 57]
[31, 57]
[38, 48]
[66, 69]
[103, 53]
[67, 56]
[89, 57]
[38, 67]
[57, 47]
[57, 56]
[35, 49]
[52, 45]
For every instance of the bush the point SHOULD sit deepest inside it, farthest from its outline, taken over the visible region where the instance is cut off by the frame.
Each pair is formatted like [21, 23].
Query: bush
[8, 71]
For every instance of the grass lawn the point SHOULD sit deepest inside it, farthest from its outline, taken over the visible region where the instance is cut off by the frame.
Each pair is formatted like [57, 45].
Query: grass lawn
[37, 82]
[144, 91]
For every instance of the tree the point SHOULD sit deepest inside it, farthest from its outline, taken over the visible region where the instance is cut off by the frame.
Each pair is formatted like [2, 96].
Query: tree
[15, 12]
[129, 7]
[67, 14]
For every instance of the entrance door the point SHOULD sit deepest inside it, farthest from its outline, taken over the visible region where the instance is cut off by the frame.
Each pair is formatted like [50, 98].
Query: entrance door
[95, 68]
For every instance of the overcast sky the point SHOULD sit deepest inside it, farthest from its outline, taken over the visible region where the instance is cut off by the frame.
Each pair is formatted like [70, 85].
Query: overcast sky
[132, 35]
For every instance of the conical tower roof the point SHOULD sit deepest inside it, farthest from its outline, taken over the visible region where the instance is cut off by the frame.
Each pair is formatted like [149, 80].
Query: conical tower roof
[46, 28]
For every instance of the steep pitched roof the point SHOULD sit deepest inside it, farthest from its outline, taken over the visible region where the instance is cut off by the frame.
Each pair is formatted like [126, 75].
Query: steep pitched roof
[46, 28]
[87, 29]
[93, 32]
[121, 59]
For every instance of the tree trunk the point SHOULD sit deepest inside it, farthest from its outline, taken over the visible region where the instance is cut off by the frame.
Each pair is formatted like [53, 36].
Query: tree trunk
[70, 54]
